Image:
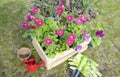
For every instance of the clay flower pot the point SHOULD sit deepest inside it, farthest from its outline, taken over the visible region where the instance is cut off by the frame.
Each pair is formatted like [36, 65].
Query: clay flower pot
[23, 53]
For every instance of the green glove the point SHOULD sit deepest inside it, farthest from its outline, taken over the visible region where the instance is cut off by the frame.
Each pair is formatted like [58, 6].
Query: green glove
[85, 65]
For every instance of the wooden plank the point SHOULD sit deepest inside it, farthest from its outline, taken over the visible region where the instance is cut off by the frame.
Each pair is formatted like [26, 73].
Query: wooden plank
[39, 50]
[62, 58]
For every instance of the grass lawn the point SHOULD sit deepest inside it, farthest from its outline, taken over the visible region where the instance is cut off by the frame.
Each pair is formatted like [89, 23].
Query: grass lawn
[107, 55]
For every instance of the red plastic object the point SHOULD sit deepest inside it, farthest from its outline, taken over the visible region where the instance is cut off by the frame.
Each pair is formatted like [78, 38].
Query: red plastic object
[32, 65]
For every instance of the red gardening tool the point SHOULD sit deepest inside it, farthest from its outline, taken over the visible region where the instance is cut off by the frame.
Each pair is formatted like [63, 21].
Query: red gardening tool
[32, 65]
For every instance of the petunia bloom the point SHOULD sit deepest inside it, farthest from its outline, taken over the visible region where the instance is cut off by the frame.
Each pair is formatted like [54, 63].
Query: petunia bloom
[36, 20]
[69, 42]
[72, 37]
[84, 17]
[59, 10]
[83, 32]
[60, 32]
[87, 37]
[69, 18]
[100, 33]
[53, 16]
[35, 10]
[61, 4]
[79, 21]
[25, 26]
[40, 23]
[48, 41]
[29, 18]
[78, 48]
[32, 27]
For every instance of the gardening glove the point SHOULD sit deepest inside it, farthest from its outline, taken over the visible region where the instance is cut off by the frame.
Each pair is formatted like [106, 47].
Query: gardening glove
[82, 63]
[85, 65]
[92, 62]
[76, 58]
[86, 70]
[90, 70]
[75, 61]
[95, 70]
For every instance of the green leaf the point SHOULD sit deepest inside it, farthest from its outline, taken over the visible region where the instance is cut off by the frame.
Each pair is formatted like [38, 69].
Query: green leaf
[98, 26]
[25, 35]
[95, 41]
[28, 33]
[64, 14]
[86, 10]
[39, 16]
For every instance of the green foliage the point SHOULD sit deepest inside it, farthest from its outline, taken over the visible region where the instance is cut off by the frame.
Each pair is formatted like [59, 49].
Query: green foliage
[46, 31]
[96, 40]
[87, 4]
[85, 65]
[48, 7]
[76, 8]
[53, 22]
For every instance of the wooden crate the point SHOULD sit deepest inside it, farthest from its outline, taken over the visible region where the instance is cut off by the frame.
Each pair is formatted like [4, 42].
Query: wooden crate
[60, 58]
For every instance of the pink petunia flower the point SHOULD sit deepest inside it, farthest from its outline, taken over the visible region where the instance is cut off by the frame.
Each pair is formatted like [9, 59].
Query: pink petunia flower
[35, 10]
[83, 32]
[60, 10]
[32, 27]
[69, 42]
[84, 17]
[72, 37]
[25, 25]
[79, 21]
[60, 32]
[48, 41]
[36, 20]
[69, 18]
[40, 23]
[61, 4]
[29, 17]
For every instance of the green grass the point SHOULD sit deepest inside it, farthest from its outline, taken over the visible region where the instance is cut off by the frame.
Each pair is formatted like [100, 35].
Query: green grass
[106, 55]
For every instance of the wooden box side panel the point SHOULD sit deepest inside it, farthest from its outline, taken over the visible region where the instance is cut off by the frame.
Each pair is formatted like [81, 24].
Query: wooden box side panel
[66, 54]
[59, 59]
[84, 44]
[39, 50]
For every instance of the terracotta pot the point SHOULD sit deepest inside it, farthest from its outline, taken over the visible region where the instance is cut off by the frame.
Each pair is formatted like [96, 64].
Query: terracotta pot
[23, 53]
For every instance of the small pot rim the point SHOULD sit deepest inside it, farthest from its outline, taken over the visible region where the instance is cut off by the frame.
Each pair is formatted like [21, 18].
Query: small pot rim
[23, 49]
